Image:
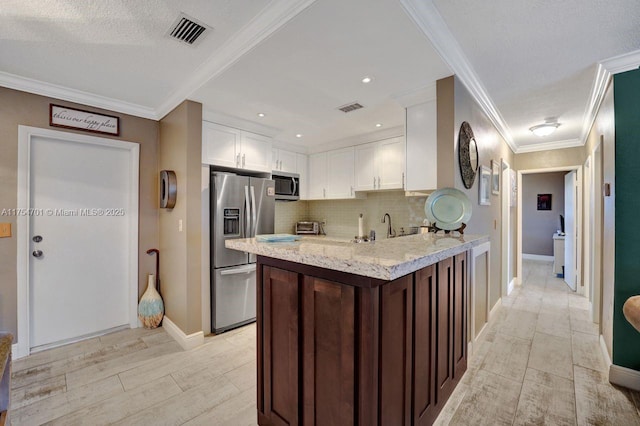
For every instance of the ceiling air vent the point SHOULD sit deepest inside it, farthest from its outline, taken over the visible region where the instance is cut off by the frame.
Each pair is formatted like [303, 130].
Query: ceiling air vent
[187, 29]
[350, 107]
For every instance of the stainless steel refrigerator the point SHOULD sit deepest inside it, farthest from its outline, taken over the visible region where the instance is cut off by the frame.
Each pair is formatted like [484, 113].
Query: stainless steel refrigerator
[241, 207]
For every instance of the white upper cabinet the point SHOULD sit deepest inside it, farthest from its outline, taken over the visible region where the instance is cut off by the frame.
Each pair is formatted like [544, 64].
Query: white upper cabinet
[380, 165]
[317, 184]
[366, 167]
[255, 152]
[284, 161]
[422, 149]
[220, 145]
[229, 147]
[390, 156]
[340, 173]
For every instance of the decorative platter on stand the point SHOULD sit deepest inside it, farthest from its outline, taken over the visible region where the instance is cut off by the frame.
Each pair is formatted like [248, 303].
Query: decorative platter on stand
[448, 209]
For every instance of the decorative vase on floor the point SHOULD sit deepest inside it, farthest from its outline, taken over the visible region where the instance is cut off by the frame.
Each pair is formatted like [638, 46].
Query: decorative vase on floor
[151, 308]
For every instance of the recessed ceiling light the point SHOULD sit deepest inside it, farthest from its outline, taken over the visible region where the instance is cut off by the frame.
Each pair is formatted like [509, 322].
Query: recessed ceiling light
[378, 124]
[367, 79]
[545, 129]
[298, 135]
[261, 114]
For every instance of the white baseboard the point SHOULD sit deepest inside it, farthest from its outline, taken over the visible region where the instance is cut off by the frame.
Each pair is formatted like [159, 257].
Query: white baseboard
[511, 285]
[537, 257]
[186, 341]
[14, 351]
[494, 309]
[605, 352]
[618, 375]
[623, 376]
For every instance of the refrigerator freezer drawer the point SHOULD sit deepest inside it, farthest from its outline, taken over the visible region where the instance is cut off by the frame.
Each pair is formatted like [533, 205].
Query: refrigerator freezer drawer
[234, 297]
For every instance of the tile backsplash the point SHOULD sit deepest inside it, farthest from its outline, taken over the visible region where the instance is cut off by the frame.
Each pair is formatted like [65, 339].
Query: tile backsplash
[341, 216]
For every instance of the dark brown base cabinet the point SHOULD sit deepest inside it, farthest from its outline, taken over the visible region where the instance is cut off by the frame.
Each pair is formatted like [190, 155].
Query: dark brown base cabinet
[341, 349]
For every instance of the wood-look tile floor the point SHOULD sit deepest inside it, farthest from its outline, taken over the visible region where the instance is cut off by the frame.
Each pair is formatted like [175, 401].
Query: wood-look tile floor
[537, 363]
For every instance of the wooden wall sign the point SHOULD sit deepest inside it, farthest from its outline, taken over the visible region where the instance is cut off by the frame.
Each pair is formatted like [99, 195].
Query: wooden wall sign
[72, 118]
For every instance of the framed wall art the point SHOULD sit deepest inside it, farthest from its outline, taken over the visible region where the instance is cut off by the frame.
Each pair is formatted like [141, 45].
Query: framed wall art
[544, 201]
[485, 186]
[495, 177]
[73, 118]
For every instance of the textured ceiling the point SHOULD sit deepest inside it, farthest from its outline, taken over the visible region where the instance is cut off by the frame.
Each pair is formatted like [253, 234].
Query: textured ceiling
[113, 48]
[538, 59]
[298, 60]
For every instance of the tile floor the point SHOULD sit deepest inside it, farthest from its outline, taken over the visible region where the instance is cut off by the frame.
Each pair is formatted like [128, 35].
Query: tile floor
[537, 363]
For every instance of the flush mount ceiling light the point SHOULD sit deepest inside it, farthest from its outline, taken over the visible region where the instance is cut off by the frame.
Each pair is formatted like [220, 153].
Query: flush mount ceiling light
[298, 135]
[261, 114]
[545, 129]
[378, 124]
[367, 79]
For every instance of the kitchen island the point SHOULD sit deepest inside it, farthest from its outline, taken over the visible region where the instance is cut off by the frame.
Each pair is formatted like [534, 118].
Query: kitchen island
[360, 334]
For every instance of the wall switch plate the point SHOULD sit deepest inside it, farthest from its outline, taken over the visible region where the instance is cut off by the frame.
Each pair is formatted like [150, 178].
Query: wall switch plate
[5, 230]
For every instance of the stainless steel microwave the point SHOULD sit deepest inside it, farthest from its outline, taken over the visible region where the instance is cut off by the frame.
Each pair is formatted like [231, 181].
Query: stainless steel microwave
[287, 186]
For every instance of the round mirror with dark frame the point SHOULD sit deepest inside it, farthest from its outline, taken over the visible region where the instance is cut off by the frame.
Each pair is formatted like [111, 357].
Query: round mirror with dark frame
[467, 155]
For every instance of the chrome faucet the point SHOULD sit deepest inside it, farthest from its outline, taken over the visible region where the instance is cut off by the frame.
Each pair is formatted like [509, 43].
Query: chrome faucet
[390, 231]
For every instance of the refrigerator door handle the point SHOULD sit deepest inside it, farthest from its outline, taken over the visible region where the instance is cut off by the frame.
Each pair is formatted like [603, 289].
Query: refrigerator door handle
[242, 270]
[254, 218]
[247, 215]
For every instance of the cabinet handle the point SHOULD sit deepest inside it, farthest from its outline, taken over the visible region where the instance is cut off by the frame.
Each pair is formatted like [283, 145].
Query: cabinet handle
[280, 166]
[374, 182]
[402, 180]
[324, 193]
[238, 160]
[352, 190]
[243, 160]
[378, 182]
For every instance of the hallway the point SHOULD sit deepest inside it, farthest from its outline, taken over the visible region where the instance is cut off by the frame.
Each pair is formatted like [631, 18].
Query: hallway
[539, 362]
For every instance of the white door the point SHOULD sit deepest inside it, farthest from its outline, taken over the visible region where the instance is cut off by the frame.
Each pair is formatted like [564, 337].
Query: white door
[287, 161]
[302, 166]
[570, 245]
[256, 152]
[80, 272]
[317, 176]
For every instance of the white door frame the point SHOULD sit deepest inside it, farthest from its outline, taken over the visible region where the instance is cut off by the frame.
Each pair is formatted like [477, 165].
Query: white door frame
[587, 228]
[505, 197]
[579, 207]
[25, 136]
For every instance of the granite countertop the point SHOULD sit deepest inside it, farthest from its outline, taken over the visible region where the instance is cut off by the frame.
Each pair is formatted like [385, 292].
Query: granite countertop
[385, 259]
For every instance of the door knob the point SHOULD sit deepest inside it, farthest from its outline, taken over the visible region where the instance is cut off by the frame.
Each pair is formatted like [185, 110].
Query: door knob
[37, 239]
[37, 253]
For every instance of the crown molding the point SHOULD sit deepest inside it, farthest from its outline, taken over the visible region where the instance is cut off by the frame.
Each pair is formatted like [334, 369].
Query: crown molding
[378, 135]
[547, 146]
[50, 90]
[263, 25]
[621, 63]
[415, 97]
[427, 17]
[239, 123]
[598, 92]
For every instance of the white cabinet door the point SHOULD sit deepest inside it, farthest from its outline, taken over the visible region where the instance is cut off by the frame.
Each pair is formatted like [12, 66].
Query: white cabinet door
[287, 161]
[275, 162]
[255, 152]
[390, 155]
[422, 152]
[302, 167]
[318, 176]
[221, 145]
[366, 168]
[340, 173]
